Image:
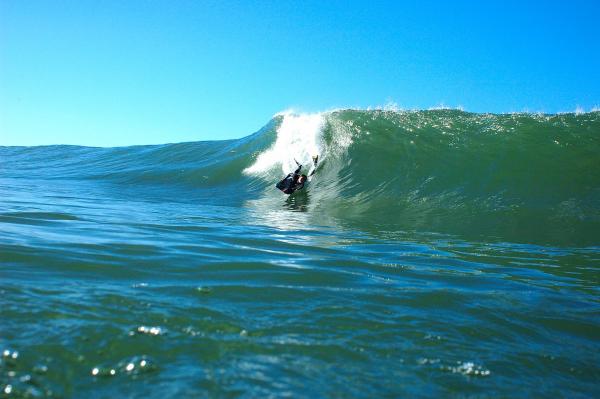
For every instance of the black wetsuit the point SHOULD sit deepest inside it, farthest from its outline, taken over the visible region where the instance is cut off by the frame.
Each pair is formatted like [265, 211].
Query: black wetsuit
[289, 184]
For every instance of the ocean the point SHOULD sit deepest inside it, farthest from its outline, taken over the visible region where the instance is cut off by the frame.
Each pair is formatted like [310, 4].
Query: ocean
[433, 254]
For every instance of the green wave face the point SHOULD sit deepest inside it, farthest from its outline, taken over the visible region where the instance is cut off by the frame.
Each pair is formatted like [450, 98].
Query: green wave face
[520, 177]
[517, 177]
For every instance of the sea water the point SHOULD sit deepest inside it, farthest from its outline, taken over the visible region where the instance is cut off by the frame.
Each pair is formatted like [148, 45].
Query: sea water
[434, 254]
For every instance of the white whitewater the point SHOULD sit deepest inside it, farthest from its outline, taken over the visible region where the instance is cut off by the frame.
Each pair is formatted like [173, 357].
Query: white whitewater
[299, 137]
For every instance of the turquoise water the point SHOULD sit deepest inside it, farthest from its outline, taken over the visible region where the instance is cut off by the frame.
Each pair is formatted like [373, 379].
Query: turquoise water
[434, 254]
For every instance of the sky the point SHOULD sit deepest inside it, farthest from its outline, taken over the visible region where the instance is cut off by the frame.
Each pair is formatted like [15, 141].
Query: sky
[113, 73]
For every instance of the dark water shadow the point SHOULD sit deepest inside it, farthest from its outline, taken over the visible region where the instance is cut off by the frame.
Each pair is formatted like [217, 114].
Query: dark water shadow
[298, 201]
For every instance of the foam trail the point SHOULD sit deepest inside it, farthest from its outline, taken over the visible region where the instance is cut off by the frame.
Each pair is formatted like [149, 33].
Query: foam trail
[299, 137]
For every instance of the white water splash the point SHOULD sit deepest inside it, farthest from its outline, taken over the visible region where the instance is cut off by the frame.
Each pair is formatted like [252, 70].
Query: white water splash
[299, 137]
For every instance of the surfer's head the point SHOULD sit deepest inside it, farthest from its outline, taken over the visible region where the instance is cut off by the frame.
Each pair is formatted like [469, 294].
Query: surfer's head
[302, 179]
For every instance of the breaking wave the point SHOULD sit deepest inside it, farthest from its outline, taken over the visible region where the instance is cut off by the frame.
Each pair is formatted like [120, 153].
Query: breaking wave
[517, 177]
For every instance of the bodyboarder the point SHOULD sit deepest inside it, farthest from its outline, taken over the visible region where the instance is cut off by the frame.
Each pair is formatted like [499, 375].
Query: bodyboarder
[295, 181]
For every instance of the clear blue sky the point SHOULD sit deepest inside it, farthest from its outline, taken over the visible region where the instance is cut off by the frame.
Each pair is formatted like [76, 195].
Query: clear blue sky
[139, 72]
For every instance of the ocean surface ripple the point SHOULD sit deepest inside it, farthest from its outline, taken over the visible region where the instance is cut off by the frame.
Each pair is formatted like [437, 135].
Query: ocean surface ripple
[434, 254]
